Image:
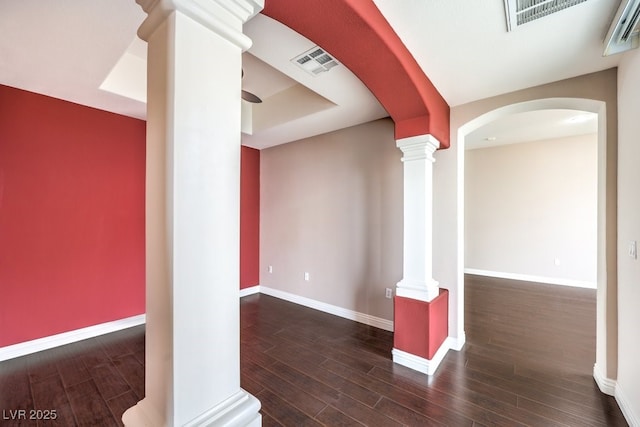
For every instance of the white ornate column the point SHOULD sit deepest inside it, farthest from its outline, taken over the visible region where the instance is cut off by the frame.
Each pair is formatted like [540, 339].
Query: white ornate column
[417, 281]
[192, 372]
[420, 313]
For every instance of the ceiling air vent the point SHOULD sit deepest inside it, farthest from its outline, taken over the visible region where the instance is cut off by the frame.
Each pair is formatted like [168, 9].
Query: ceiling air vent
[520, 12]
[315, 61]
[624, 32]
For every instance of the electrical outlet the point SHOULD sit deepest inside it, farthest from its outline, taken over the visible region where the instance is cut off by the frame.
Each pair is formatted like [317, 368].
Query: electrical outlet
[633, 249]
[270, 269]
[306, 276]
[388, 293]
[556, 261]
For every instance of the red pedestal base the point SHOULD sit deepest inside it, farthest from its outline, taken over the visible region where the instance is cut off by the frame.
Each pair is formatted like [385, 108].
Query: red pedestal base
[421, 327]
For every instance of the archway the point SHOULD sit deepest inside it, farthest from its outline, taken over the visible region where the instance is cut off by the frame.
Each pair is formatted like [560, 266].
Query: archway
[604, 325]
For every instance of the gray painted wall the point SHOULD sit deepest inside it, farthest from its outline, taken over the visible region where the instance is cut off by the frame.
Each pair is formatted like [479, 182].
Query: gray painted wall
[529, 206]
[331, 205]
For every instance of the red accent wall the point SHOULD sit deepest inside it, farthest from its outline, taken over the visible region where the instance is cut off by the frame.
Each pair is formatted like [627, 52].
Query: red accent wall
[249, 217]
[72, 215]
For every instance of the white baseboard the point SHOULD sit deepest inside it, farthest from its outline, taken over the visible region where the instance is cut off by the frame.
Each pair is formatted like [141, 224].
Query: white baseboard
[606, 385]
[535, 279]
[249, 291]
[457, 343]
[421, 364]
[367, 319]
[633, 418]
[28, 347]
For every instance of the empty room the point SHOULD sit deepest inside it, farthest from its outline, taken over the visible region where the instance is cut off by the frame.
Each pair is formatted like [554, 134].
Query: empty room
[331, 212]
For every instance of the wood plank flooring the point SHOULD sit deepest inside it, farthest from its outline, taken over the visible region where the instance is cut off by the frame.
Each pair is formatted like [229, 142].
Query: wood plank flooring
[528, 361]
[88, 383]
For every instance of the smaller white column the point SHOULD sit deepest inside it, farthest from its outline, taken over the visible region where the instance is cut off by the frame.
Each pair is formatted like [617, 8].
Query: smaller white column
[417, 281]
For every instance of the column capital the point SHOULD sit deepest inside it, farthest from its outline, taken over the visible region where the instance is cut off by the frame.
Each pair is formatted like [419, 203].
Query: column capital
[224, 17]
[418, 147]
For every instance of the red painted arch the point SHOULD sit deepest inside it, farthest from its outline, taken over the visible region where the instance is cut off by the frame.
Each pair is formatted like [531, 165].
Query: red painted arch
[356, 33]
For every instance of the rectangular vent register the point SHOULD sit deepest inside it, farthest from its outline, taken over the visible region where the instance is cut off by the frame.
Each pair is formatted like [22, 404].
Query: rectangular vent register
[315, 61]
[519, 12]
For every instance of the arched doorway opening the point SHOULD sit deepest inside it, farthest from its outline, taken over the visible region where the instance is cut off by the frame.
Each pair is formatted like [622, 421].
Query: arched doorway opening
[605, 319]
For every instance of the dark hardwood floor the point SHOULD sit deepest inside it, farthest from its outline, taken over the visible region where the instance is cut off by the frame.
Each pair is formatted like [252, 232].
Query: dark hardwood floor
[88, 383]
[528, 361]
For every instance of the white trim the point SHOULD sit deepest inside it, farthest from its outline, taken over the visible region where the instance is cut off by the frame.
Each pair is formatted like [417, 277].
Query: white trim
[33, 346]
[241, 409]
[367, 319]
[411, 361]
[535, 279]
[421, 364]
[421, 291]
[419, 147]
[613, 388]
[624, 403]
[457, 343]
[249, 291]
[219, 16]
[606, 385]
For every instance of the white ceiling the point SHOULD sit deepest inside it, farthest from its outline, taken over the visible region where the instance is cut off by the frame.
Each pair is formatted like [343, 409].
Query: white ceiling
[532, 126]
[465, 49]
[351, 102]
[66, 49]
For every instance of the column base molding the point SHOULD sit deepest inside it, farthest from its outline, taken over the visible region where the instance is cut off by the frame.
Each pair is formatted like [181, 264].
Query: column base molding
[240, 410]
[142, 414]
[421, 291]
[420, 364]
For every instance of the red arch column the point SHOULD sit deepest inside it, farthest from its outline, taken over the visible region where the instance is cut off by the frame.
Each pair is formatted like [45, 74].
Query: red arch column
[421, 310]
[358, 35]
